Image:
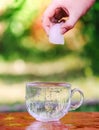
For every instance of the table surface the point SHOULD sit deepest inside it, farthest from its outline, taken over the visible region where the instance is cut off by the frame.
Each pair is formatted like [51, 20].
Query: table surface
[71, 121]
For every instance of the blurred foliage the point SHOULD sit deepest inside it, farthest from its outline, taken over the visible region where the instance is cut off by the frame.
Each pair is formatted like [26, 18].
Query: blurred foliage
[90, 51]
[89, 108]
[22, 37]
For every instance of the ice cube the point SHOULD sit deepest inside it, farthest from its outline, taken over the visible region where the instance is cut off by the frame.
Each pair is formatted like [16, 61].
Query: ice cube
[55, 35]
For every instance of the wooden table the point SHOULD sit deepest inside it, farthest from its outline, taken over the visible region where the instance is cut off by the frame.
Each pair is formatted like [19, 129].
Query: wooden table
[72, 121]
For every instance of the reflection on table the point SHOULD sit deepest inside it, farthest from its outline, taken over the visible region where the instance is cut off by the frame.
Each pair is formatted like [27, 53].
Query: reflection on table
[47, 126]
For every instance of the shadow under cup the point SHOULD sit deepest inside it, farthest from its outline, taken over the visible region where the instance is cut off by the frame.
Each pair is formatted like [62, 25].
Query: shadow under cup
[48, 101]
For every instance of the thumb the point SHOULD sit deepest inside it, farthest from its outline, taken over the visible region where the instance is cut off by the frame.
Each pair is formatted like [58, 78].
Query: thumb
[68, 24]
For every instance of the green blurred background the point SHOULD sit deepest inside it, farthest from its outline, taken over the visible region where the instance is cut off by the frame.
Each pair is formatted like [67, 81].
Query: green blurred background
[26, 54]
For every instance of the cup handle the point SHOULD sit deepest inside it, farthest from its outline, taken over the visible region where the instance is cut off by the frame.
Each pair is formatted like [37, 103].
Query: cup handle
[77, 105]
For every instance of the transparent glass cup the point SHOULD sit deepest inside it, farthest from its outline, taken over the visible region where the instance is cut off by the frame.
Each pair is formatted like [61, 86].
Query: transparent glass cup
[49, 101]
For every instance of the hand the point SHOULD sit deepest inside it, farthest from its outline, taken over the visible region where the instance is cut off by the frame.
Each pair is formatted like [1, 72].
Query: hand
[68, 11]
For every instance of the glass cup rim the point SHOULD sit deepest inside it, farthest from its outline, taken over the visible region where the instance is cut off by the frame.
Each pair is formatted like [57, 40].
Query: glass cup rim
[58, 84]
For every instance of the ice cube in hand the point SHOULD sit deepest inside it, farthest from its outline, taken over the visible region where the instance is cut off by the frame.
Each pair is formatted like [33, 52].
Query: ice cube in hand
[55, 35]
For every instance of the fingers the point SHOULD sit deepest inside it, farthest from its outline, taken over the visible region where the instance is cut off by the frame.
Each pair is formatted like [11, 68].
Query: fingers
[50, 17]
[53, 14]
[46, 22]
[68, 24]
